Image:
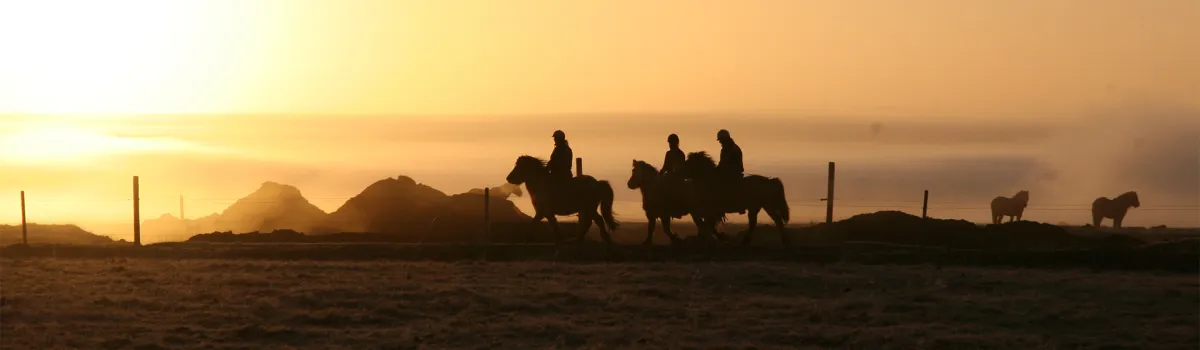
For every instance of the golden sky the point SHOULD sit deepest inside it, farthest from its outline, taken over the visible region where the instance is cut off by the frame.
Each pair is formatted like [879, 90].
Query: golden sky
[917, 57]
[92, 92]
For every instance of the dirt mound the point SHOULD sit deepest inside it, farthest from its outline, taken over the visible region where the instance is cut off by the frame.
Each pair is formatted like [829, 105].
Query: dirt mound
[51, 234]
[1028, 234]
[505, 232]
[273, 206]
[278, 236]
[401, 206]
[900, 228]
[1179, 246]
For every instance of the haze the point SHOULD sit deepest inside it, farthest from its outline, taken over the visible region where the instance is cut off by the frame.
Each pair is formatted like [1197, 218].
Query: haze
[207, 99]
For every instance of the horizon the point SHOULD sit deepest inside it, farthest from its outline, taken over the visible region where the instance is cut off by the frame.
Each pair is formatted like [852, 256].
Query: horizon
[963, 163]
[207, 99]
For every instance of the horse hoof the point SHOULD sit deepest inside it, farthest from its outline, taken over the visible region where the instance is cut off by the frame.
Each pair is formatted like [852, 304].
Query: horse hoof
[647, 243]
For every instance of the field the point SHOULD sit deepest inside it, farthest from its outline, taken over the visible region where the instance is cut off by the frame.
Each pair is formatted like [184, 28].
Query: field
[152, 303]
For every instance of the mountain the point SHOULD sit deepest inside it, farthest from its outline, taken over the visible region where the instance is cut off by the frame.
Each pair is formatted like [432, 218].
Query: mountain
[404, 207]
[51, 234]
[388, 205]
[272, 207]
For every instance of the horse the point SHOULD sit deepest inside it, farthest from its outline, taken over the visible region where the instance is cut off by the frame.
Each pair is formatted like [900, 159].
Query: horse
[1114, 209]
[578, 195]
[754, 193]
[1011, 207]
[662, 199]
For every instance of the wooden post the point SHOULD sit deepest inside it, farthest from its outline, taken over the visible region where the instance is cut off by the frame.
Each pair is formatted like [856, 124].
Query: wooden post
[24, 226]
[137, 215]
[487, 215]
[579, 166]
[925, 206]
[829, 197]
[181, 217]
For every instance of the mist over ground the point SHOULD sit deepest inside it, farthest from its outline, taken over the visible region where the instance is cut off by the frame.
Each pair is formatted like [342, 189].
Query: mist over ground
[882, 163]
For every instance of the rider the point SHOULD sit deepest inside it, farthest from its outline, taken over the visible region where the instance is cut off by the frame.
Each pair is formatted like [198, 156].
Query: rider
[673, 164]
[730, 166]
[561, 158]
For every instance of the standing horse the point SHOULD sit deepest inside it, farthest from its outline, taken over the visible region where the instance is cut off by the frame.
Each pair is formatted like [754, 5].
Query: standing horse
[1011, 207]
[578, 195]
[662, 199]
[1114, 209]
[753, 194]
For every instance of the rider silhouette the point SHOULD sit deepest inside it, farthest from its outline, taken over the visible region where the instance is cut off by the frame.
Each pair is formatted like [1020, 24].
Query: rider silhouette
[730, 166]
[673, 163]
[730, 171]
[561, 158]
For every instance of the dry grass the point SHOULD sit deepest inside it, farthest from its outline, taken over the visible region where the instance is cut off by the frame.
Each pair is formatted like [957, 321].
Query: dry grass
[212, 303]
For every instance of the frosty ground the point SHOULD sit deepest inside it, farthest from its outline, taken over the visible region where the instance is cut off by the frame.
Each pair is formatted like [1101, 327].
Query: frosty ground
[216, 303]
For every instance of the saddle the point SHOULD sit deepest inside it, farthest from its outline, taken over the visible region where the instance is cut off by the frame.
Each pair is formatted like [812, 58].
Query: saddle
[730, 194]
[563, 190]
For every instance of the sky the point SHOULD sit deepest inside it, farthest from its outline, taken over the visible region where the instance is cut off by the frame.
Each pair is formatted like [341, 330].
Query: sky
[207, 99]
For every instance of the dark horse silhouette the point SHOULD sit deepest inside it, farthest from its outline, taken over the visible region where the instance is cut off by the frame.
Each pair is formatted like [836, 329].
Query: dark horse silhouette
[1012, 207]
[753, 194]
[663, 199]
[578, 195]
[1114, 209]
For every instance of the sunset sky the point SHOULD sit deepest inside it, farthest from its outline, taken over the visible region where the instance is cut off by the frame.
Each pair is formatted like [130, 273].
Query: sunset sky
[332, 95]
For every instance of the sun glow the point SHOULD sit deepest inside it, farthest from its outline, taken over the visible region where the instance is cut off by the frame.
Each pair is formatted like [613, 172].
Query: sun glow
[122, 56]
[62, 143]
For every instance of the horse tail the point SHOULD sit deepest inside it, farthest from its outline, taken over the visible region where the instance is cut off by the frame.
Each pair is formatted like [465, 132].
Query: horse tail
[606, 204]
[778, 200]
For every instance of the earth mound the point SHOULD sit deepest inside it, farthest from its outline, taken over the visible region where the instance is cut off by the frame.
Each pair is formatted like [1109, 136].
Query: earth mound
[51, 234]
[273, 206]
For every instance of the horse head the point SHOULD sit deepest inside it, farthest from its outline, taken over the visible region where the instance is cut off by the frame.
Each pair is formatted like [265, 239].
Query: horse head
[642, 174]
[1131, 198]
[527, 168]
[699, 164]
[1022, 196]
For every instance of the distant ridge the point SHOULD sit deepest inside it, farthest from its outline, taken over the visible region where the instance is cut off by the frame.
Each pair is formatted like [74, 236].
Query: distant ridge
[51, 234]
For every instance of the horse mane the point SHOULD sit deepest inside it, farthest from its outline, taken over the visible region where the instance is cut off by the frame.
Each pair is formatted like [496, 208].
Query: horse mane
[531, 160]
[1022, 195]
[702, 160]
[645, 166]
[1130, 196]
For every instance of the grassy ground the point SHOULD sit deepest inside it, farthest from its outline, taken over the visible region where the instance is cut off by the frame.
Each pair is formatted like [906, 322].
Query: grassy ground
[214, 303]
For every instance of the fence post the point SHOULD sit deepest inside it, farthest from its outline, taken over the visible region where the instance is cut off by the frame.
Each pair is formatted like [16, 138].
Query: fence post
[137, 215]
[24, 226]
[829, 197]
[579, 166]
[487, 215]
[925, 206]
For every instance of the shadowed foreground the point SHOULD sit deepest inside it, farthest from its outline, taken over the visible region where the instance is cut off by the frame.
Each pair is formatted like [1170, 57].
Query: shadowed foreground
[196, 304]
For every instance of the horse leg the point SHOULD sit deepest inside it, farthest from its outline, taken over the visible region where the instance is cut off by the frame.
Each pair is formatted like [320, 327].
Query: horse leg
[585, 224]
[603, 229]
[650, 229]
[1117, 221]
[783, 237]
[666, 223]
[752, 215]
[1096, 218]
[554, 228]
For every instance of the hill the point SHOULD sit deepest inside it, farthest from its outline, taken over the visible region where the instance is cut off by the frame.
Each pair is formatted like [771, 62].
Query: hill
[51, 234]
[401, 206]
[272, 207]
